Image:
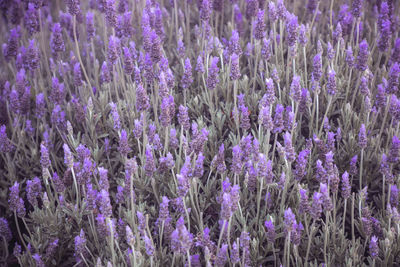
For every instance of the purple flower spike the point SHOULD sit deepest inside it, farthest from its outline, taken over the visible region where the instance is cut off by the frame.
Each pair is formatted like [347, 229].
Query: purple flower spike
[16, 203]
[187, 78]
[394, 152]
[90, 28]
[289, 220]
[212, 79]
[33, 190]
[331, 84]
[292, 30]
[362, 58]
[235, 69]
[181, 238]
[259, 28]
[346, 187]
[362, 137]
[290, 154]
[316, 207]
[56, 40]
[393, 82]
[183, 118]
[374, 247]
[205, 10]
[77, 75]
[356, 8]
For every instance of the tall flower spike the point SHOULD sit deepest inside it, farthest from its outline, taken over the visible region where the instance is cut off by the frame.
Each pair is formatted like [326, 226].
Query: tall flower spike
[16, 203]
[181, 238]
[394, 152]
[362, 58]
[346, 187]
[235, 69]
[290, 154]
[292, 30]
[56, 39]
[212, 79]
[205, 10]
[362, 137]
[374, 247]
[259, 28]
[187, 78]
[331, 84]
[183, 118]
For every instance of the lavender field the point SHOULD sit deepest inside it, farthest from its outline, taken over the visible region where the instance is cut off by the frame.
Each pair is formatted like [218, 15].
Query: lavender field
[199, 133]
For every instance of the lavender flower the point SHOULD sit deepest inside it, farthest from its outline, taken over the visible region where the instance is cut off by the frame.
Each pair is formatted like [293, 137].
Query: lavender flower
[5, 229]
[292, 30]
[394, 152]
[374, 247]
[187, 78]
[33, 190]
[362, 57]
[181, 238]
[212, 79]
[16, 203]
[331, 84]
[259, 28]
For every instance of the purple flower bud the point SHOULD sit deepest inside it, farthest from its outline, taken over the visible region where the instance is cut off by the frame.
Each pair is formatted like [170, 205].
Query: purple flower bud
[16, 204]
[396, 51]
[77, 75]
[205, 10]
[31, 20]
[331, 84]
[362, 58]
[110, 11]
[222, 256]
[349, 57]
[218, 161]
[290, 154]
[362, 137]
[374, 247]
[356, 8]
[187, 78]
[271, 234]
[80, 244]
[56, 40]
[278, 119]
[266, 49]
[181, 238]
[200, 65]
[346, 187]
[272, 12]
[183, 118]
[142, 99]
[235, 254]
[235, 68]
[237, 164]
[212, 79]
[326, 199]
[90, 28]
[303, 202]
[259, 28]
[289, 220]
[292, 30]
[316, 207]
[393, 81]
[32, 55]
[11, 48]
[295, 88]
[198, 168]
[113, 49]
[68, 157]
[167, 110]
[105, 75]
[33, 190]
[394, 152]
